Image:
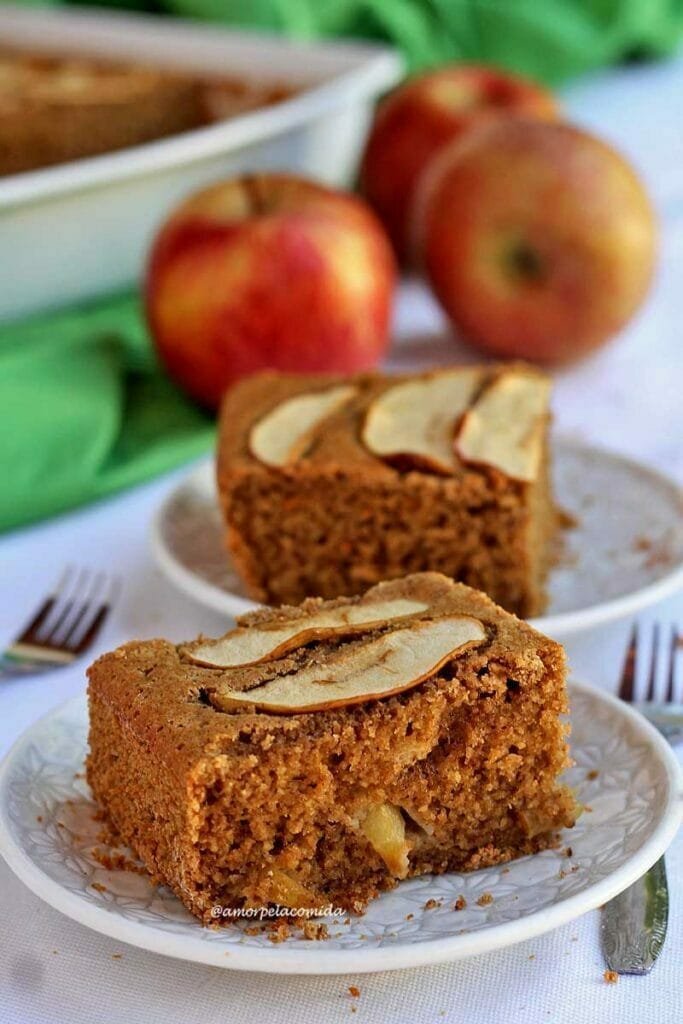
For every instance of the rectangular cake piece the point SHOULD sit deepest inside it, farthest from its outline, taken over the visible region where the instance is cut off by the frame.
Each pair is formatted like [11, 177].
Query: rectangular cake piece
[328, 485]
[318, 754]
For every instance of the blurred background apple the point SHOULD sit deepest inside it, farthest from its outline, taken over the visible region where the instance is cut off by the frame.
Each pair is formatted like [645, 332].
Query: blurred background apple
[538, 239]
[423, 115]
[268, 271]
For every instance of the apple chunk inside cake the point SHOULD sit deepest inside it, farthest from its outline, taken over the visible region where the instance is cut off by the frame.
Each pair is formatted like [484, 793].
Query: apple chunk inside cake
[318, 754]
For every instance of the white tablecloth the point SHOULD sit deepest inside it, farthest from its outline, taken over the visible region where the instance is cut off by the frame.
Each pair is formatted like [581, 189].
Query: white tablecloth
[628, 397]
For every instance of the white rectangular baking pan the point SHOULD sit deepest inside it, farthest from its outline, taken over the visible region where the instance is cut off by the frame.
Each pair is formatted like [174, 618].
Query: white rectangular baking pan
[81, 229]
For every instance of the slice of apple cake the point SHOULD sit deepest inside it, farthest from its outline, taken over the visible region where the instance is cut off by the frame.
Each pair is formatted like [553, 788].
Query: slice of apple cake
[328, 485]
[315, 755]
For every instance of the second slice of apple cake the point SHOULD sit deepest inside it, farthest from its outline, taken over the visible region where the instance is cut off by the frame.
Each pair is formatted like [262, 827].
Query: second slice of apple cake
[328, 484]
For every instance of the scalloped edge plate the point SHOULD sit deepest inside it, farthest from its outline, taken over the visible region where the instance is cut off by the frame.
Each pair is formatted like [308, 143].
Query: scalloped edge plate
[625, 554]
[649, 801]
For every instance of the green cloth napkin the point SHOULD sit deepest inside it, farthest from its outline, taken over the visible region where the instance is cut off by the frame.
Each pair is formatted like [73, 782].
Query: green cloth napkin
[86, 411]
[550, 40]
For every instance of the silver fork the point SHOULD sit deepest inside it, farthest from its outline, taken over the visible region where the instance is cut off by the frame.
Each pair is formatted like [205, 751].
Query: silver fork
[661, 706]
[65, 624]
[634, 923]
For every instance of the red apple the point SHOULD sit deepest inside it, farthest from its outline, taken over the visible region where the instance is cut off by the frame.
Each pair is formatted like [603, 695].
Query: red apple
[422, 116]
[538, 239]
[268, 271]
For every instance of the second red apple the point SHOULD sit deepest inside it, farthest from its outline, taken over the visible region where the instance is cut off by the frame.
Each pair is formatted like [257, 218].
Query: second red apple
[423, 115]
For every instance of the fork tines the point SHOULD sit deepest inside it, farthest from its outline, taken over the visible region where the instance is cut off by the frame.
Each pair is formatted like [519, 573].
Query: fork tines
[660, 685]
[68, 620]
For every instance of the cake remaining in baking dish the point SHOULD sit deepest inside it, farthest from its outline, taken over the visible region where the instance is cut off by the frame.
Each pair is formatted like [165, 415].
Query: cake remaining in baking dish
[59, 108]
[318, 754]
[328, 485]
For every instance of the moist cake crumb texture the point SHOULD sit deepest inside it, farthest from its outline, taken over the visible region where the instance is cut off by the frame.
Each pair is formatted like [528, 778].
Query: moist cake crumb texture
[446, 471]
[240, 807]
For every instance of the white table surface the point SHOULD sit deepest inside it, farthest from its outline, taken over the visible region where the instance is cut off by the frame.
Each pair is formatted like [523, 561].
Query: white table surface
[628, 397]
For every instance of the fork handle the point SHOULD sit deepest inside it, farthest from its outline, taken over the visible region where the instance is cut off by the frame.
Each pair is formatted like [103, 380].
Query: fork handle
[633, 925]
[11, 669]
[667, 718]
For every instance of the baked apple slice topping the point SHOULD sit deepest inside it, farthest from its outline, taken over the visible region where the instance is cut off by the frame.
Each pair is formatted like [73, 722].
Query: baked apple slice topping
[285, 434]
[414, 422]
[248, 645]
[505, 426]
[361, 671]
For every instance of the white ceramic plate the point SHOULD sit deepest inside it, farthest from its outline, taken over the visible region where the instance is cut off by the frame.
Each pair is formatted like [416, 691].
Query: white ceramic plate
[47, 834]
[625, 553]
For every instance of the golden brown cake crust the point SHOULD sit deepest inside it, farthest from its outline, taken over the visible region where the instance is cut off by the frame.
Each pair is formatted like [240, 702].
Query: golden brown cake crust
[56, 108]
[341, 519]
[246, 807]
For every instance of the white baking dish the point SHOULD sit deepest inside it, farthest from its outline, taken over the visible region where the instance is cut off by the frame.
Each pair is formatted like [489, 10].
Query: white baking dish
[81, 229]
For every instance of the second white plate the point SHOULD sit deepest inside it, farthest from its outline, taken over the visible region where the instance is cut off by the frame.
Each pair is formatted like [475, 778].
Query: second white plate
[625, 553]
